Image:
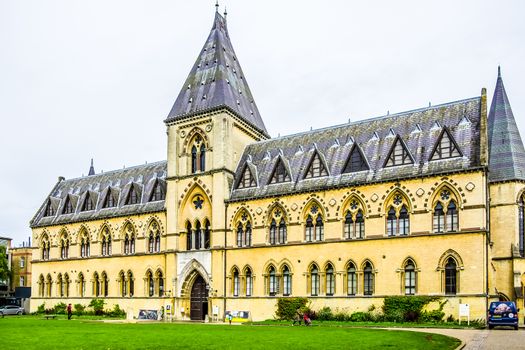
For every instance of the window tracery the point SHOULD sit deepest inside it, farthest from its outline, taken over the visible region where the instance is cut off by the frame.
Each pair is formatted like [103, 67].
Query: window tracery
[398, 217]
[354, 224]
[445, 215]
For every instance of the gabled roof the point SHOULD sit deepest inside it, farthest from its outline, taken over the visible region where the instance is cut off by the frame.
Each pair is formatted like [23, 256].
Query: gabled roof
[217, 81]
[118, 181]
[335, 143]
[506, 152]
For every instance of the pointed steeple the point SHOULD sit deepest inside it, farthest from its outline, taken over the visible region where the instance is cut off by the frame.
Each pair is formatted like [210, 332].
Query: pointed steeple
[506, 152]
[216, 81]
[91, 169]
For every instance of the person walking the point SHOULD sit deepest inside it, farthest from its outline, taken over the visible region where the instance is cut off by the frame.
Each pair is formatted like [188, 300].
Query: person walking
[69, 311]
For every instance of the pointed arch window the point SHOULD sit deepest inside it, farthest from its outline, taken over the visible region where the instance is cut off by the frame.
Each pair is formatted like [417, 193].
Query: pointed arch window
[193, 160]
[309, 228]
[445, 213]
[207, 234]
[106, 242]
[89, 203]
[49, 286]
[351, 277]
[65, 286]
[248, 235]
[330, 280]
[316, 168]
[50, 210]
[280, 174]
[398, 155]
[282, 232]
[60, 285]
[273, 232]
[354, 224]
[131, 282]
[129, 241]
[123, 284]
[157, 193]
[160, 278]
[287, 281]
[46, 245]
[109, 201]
[236, 283]
[314, 281]
[249, 282]
[247, 180]
[439, 218]
[81, 285]
[273, 283]
[133, 196]
[84, 246]
[104, 284]
[64, 247]
[151, 284]
[410, 278]
[189, 235]
[68, 206]
[96, 285]
[198, 233]
[368, 279]
[451, 276]
[356, 161]
[202, 158]
[239, 235]
[398, 218]
[446, 147]
[452, 217]
[41, 286]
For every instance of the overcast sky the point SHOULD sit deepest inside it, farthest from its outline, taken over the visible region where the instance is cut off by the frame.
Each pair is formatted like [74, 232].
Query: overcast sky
[83, 79]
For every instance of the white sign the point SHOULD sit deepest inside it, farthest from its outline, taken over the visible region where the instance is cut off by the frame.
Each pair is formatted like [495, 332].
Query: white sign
[464, 310]
[215, 310]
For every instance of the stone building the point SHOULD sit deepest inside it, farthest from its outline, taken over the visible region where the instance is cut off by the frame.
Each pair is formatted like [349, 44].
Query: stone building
[424, 202]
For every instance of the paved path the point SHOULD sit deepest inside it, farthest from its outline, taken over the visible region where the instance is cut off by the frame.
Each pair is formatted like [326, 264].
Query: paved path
[483, 339]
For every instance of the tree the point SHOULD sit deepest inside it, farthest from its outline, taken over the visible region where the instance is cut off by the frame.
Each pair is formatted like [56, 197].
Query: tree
[4, 268]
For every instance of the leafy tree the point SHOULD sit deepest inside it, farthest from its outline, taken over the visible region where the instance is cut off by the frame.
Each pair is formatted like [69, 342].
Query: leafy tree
[4, 269]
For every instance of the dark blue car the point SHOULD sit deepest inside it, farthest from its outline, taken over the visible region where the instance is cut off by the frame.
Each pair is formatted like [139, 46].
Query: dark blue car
[503, 313]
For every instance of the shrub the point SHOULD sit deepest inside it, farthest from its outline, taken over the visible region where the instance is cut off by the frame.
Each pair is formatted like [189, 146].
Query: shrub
[341, 316]
[405, 308]
[41, 308]
[325, 314]
[79, 309]
[98, 306]
[116, 312]
[360, 316]
[60, 308]
[432, 316]
[287, 307]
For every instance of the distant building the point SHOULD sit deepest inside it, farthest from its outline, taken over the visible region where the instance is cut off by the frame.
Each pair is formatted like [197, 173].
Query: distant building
[4, 284]
[21, 265]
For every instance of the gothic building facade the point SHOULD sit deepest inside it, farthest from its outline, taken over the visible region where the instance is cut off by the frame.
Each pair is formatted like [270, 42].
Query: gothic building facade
[425, 202]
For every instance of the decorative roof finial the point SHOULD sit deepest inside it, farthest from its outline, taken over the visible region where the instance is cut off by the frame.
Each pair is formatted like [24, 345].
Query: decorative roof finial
[225, 12]
[91, 169]
[217, 6]
[499, 71]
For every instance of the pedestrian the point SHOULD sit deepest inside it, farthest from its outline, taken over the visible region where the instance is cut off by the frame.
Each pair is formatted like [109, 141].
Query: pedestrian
[297, 318]
[230, 318]
[307, 320]
[69, 311]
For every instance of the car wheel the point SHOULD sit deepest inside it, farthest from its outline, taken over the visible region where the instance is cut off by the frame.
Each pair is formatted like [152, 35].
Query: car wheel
[19, 313]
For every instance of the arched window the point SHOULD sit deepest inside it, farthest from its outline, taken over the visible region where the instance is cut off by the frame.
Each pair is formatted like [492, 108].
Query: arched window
[309, 230]
[81, 285]
[319, 228]
[273, 232]
[282, 232]
[189, 234]
[129, 240]
[439, 218]
[151, 283]
[351, 279]
[84, 246]
[404, 223]
[314, 281]
[248, 235]
[60, 285]
[287, 281]
[49, 286]
[451, 276]
[391, 222]
[202, 158]
[123, 284]
[354, 226]
[41, 285]
[193, 160]
[151, 242]
[359, 225]
[239, 235]
[330, 280]
[106, 242]
[249, 282]
[207, 235]
[96, 285]
[198, 233]
[236, 283]
[65, 287]
[410, 278]
[398, 218]
[131, 282]
[64, 247]
[45, 247]
[368, 279]
[157, 242]
[452, 217]
[105, 287]
[160, 278]
[273, 283]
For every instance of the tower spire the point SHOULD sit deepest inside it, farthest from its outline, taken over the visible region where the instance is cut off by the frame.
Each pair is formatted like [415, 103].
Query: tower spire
[91, 169]
[506, 152]
[217, 6]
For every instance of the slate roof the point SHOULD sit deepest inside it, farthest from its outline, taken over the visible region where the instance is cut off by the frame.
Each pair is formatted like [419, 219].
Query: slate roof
[506, 152]
[217, 81]
[418, 129]
[143, 177]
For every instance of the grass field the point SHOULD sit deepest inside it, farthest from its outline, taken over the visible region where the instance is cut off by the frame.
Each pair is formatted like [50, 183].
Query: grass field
[35, 333]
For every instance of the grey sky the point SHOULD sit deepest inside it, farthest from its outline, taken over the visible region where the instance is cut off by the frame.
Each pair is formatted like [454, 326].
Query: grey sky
[82, 79]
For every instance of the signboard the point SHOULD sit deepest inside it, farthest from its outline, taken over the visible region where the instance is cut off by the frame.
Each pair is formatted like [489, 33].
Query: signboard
[237, 316]
[464, 311]
[168, 309]
[215, 310]
[151, 315]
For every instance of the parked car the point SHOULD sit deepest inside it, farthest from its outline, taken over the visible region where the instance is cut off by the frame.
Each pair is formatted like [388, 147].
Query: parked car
[11, 310]
[503, 313]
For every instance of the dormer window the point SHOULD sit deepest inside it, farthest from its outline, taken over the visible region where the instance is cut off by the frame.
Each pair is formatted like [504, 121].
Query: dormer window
[109, 201]
[50, 211]
[446, 147]
[316, 168]
[133, 196]
[68, 206]
[157, 194]
[247, 179]
[399, 155]
[88, 203]
[356, 161]
[280, 174]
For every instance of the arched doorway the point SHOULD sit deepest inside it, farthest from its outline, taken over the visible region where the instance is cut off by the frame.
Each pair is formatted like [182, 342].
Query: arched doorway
[199, 299]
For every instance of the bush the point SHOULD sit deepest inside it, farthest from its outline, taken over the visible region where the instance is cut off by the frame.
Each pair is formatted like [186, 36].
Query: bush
[98, 306]
[287, 307]
[41, 308]
[60, 308]
[325, 314]
[360, 316]
[407, 308]
[116, 312]
[79, 309]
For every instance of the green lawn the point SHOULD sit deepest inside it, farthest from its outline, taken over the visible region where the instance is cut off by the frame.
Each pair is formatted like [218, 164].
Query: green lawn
[455, 325]
[35, 333]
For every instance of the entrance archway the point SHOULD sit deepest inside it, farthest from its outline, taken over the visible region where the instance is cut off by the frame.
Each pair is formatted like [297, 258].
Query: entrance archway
[199, 299]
